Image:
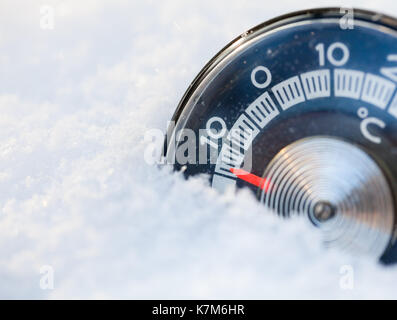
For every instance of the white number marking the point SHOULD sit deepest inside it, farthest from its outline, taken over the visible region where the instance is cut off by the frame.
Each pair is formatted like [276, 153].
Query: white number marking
[221, 132]
[377, 90]
[262, 110]
[390, 72]
[228, 158]
[289, 92]
[364, 127]
[330, 54]
[316, 84]
[243, 132]
[348, 83]
[268, 77]
[345, 54]
[321, 54]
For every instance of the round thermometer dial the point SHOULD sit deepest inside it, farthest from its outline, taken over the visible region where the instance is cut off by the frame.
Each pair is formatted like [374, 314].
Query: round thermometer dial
[303, 111]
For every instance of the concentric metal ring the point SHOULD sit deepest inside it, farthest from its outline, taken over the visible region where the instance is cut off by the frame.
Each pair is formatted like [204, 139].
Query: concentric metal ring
[339, 187]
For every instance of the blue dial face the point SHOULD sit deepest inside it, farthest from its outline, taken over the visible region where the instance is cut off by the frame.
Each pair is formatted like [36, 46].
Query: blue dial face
[303, 76]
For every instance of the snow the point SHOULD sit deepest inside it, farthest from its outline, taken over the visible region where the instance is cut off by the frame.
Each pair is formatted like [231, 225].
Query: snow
[76, 195]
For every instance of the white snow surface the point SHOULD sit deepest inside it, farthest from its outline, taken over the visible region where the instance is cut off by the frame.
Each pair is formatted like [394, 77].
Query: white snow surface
[76, 193]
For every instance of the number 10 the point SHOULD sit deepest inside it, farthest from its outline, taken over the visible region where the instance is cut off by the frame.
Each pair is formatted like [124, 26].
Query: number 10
[338, 62]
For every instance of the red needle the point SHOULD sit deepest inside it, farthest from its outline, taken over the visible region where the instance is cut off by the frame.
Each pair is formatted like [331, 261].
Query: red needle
[261, 183]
